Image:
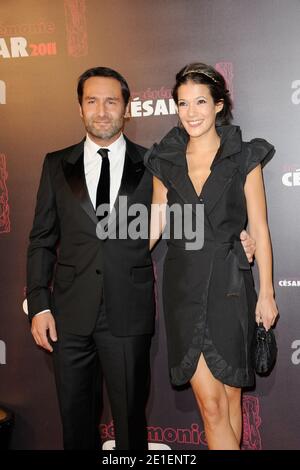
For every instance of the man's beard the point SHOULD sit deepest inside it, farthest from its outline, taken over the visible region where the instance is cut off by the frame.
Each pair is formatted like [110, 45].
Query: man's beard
[114, 129]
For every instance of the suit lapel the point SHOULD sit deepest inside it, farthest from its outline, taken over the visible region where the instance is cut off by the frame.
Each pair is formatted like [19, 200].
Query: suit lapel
[73, 168]
[132, 174]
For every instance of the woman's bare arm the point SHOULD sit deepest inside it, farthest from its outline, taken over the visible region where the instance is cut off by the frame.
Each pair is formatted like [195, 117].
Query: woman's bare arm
[266, 309]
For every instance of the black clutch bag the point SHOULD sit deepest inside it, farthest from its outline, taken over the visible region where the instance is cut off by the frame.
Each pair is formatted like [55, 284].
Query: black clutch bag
[265, 349]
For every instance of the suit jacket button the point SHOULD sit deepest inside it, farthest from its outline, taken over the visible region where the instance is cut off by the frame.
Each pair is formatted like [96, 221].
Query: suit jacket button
[98, 271]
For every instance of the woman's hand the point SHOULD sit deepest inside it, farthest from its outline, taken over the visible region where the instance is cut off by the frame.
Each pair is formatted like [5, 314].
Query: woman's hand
[249, 245]
[266, 311]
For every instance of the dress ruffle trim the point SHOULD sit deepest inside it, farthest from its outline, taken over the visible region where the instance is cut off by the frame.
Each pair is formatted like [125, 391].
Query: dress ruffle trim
[219, 368]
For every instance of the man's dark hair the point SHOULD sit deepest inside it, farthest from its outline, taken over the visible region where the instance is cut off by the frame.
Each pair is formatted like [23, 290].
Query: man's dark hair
[103, 72]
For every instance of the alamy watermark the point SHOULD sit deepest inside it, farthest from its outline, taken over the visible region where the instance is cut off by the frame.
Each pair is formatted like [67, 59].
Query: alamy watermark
[2, 352]
[134, 222]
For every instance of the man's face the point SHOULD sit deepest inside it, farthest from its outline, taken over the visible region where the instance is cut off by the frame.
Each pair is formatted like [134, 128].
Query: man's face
[103, 109]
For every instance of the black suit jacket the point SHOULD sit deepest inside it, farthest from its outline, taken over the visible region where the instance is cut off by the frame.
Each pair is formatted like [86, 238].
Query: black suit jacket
[65, 252]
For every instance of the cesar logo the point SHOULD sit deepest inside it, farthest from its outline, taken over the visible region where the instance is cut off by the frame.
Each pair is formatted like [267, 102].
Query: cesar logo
[2, 92]
[16, 48]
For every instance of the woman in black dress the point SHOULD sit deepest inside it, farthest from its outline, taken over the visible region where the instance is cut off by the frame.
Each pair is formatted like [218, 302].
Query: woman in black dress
[210, 303]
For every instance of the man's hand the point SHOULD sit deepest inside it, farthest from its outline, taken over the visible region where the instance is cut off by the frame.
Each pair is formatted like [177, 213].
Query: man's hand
[40, 326]
[249, 245]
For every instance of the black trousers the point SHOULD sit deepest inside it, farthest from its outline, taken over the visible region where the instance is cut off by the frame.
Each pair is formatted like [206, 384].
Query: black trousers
[81, 363]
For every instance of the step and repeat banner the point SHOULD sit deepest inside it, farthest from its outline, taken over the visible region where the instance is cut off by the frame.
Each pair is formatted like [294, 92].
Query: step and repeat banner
[44, 46]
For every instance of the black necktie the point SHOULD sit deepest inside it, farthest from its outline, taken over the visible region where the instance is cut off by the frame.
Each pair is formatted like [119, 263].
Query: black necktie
[103, 187]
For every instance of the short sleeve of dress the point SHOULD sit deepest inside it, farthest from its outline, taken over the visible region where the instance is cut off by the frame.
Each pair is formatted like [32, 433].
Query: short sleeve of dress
[160, 158]
[259, 151]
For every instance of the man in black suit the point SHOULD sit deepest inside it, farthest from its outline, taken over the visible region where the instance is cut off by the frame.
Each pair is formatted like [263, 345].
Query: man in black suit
[100, 314]
[98, 320]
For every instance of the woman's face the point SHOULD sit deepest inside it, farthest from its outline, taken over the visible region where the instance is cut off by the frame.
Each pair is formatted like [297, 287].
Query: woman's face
[196, 109]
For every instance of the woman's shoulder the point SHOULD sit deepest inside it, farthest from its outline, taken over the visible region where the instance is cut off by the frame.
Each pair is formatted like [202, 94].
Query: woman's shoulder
[168, 152]
[257, 151]
[259, 145]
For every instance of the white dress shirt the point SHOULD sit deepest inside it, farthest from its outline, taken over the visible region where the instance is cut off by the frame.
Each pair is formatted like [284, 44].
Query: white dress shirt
[92, 167]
